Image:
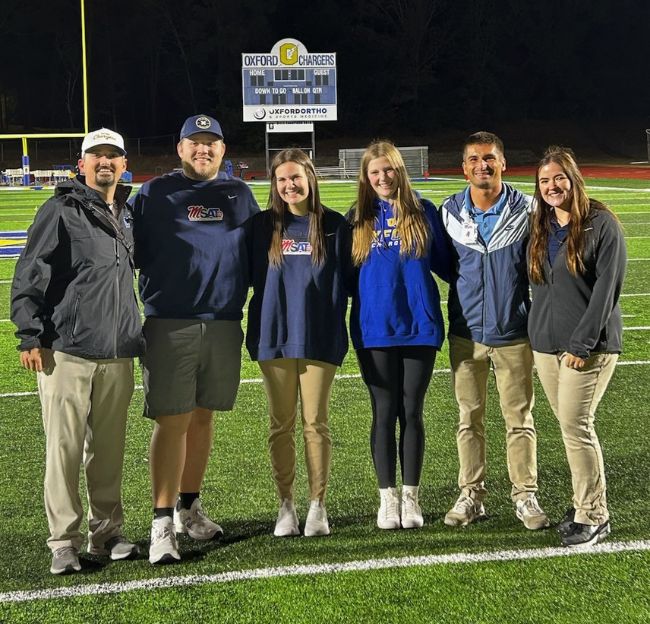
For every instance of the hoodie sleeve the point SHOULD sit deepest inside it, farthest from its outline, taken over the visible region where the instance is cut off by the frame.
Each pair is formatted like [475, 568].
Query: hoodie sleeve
[33, 275]
[440, 255]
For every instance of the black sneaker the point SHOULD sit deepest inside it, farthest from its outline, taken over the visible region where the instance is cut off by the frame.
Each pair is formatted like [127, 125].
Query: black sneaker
[564, 525]
[585, 534]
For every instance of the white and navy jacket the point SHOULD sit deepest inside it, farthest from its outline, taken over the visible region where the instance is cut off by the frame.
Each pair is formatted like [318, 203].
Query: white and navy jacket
[488, 294]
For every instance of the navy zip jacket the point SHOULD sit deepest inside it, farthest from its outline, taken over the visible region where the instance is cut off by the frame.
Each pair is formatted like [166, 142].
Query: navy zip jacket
[488, 294]
[298, 308]
[190, 248]
[580, 314]
[396, 302]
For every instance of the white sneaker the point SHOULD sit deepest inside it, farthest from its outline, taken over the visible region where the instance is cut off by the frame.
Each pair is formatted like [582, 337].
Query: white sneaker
[465, 511]
[530, 513]
[388, 514]
[287, 523]
[411, 512]
[316, 523]
[195, 523]
[163, 548]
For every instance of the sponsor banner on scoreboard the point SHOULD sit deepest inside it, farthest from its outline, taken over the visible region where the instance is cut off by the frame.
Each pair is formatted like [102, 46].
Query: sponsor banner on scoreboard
[289, 84]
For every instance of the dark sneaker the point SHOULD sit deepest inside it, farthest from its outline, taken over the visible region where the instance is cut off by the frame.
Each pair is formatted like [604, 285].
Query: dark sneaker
[117, 548]
[564, 525]
[65, 560]
[585, 534]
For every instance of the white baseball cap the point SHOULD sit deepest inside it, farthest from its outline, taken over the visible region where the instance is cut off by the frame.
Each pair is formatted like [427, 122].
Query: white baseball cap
[103, 136]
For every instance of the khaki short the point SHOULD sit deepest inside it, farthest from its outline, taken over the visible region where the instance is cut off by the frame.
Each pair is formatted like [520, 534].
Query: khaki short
[190, 363]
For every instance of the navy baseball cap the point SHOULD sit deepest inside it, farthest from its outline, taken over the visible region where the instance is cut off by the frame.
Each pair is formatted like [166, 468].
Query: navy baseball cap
[200, 123]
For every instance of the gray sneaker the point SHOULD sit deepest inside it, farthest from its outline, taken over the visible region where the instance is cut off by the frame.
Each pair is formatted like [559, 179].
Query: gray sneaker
[117, 548]
[530, 513]
[465, 511]
[65, 560]
[163, 548]
[195, 523]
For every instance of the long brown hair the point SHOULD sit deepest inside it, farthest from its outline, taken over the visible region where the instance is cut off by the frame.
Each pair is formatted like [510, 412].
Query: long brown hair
[581, 210]
[411, 224]
[279, 207]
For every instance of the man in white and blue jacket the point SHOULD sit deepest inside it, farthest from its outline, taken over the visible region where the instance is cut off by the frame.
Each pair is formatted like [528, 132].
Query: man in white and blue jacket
[488, 224]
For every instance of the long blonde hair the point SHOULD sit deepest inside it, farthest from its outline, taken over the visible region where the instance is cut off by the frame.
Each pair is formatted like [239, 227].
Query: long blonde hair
[411, 224]
[581, 210]
[279, 207]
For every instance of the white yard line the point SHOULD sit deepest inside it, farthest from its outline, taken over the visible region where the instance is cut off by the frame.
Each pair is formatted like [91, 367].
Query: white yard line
[259, 380]
[367, 565]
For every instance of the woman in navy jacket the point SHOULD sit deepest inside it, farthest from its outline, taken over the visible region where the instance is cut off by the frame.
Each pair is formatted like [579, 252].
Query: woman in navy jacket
[577, 263]
[396, 323]
[296, 326]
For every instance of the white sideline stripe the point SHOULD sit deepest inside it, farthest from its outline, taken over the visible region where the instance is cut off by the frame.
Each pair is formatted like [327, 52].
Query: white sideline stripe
[323, 568]
[645, 328]
[257, 380]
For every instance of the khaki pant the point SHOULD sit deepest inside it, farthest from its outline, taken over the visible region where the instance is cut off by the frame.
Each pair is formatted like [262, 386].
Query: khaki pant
[574, 396]
[513, 370]
[84, 405]
[284, 378]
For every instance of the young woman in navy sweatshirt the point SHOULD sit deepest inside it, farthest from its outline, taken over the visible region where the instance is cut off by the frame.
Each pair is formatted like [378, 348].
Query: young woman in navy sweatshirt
[396, 323]
[296, 326]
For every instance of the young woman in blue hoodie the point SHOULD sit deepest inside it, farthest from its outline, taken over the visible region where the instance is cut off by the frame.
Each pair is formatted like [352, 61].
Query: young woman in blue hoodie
[396, 323]
[298, 251]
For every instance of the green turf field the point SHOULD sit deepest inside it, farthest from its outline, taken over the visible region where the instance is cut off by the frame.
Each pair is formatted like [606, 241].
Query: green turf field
[471, 575]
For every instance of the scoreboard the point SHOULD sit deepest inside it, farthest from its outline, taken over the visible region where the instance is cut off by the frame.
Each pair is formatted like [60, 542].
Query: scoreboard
[289, 84]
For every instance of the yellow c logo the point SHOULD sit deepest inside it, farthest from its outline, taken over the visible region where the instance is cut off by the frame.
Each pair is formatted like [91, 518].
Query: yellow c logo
[288, 53]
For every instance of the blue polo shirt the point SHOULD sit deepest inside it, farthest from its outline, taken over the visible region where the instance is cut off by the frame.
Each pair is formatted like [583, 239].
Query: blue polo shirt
[485, 220]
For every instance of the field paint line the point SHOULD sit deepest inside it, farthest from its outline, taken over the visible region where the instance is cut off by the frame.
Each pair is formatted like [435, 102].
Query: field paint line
[367, 565]
[635, 295]
[644, 328]
[259, 380]
[635, 237]
[638, 259]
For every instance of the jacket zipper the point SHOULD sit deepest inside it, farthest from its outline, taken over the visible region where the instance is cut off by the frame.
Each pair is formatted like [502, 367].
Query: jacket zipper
[117, 295]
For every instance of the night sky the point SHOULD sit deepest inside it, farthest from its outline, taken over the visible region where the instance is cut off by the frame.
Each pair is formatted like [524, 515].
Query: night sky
[405, 67]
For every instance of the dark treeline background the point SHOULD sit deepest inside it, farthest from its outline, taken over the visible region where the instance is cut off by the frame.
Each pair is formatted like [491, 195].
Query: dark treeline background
[405, 67]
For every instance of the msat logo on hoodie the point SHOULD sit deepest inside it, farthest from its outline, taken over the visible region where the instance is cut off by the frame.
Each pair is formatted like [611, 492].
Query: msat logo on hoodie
[201, 213]
[292, 247]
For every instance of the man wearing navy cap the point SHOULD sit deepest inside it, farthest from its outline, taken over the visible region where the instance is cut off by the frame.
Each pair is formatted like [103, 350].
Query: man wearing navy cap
[193, 283]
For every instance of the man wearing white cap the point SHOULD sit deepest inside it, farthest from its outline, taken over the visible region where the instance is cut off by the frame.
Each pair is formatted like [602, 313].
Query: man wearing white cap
[79, 329]
[193, 282]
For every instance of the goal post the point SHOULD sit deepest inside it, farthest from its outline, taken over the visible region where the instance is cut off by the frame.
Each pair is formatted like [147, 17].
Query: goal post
[25, 136]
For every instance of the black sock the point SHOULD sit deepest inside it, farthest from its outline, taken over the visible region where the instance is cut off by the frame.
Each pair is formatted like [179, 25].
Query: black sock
[185, 500]
[163, 512]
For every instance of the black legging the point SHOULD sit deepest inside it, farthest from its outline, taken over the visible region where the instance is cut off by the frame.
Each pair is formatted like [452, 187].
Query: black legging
[397, 379]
